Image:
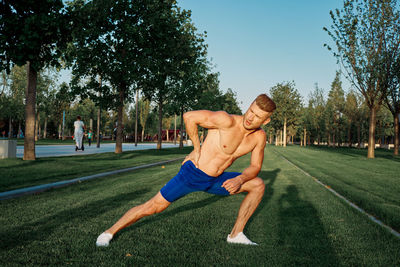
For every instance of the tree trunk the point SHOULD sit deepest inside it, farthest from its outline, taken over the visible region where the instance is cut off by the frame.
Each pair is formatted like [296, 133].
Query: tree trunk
[167, 132]
[37, 127]
[160, 116]
[136, 116]
[284, 133]
[349, 134]
[98, 128]
[142, 134]
[118, 143]
[10, 129]
[305, 137]
[59, 131]
[19, 130]
[63, 126]
[45, 128]
[98, 119]
[175, 130]
[181, 130]
[30, 112]
[371, 133]
[396, 134]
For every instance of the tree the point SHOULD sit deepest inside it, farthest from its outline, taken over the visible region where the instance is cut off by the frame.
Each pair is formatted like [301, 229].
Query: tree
[174, 45]
[288, 99]
[187, 89]
[144, 106]
[362, 30]
[16, 96]
[336, 106]
[392, 100]
[61, 102]
[317, 108]
[230, 103]
[107, 44]
[351, 110]
[34, 33]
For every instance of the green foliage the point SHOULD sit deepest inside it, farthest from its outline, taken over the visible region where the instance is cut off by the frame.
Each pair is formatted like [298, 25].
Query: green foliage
[315, 113]
[288, 102]
[230, 103]
[35, 31]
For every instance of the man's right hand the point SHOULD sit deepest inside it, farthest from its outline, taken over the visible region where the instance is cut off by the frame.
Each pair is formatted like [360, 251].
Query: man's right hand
[194, 156]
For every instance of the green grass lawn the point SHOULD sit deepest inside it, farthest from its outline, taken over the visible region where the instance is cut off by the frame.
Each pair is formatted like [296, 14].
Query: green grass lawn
[298, 223]
[373, 184]
[17, 173]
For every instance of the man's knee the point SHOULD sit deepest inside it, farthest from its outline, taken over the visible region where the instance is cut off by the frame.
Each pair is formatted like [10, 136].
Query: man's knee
[156, 205]
[258, 185]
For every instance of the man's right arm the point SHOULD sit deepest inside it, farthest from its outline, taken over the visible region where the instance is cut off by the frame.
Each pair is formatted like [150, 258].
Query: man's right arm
[206, 119]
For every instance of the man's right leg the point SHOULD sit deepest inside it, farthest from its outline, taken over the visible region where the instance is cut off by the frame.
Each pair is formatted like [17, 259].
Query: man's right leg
[155, 205]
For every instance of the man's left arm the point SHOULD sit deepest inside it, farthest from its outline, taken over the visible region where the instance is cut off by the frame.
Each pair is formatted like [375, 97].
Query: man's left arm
[257, 157]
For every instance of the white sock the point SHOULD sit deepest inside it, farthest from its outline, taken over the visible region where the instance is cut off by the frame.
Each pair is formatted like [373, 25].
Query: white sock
[240, 238]
[104, 239]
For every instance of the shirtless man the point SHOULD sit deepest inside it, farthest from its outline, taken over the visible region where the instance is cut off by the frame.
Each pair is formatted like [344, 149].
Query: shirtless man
[229, 137]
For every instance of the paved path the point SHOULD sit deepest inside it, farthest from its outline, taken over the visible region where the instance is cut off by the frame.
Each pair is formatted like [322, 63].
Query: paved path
[69, 150]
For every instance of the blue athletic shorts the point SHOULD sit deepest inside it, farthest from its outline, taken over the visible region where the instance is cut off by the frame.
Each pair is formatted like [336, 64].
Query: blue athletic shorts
[190, 179]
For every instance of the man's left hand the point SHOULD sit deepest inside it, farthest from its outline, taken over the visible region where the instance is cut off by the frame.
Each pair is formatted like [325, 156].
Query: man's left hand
[233, 185]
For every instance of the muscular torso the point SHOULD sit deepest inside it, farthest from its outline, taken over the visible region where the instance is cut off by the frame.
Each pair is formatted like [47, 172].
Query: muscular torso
[223, 146]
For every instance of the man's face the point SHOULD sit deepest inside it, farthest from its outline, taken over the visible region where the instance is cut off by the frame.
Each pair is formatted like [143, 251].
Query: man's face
[255, 117]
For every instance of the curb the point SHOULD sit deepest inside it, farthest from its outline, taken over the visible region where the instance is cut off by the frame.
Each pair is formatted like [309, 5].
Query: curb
[41, 188]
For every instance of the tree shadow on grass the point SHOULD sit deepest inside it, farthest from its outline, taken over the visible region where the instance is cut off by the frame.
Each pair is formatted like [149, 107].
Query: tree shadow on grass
[302, 237]
[37, 230]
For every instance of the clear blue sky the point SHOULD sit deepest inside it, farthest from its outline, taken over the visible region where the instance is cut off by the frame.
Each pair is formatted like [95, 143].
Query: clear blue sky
[256, 44]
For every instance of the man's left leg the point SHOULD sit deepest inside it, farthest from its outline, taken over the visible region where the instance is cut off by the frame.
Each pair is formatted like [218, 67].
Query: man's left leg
[255, 191]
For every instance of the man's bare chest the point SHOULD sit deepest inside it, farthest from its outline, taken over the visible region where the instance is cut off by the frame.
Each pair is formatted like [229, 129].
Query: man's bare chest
[234, 143]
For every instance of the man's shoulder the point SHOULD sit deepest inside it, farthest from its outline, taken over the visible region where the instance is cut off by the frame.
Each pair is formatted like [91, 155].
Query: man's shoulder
[225, 119]
[260, 136]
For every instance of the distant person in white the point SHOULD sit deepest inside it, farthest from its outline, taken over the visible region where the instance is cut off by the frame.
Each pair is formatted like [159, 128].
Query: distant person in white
[79, 130]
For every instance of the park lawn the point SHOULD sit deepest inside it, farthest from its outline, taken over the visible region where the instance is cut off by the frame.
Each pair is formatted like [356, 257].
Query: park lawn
[372, 184]
[298, 223]
[17, 173]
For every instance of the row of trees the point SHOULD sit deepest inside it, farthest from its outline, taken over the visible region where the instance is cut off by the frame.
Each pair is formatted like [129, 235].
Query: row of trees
[54, 100]
[333, 118]
[114, 49]
[366, 34]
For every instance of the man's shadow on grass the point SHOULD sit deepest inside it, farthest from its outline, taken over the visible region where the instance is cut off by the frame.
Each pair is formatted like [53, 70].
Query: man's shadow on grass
[302, 236]
[37, 230]
[269, 178]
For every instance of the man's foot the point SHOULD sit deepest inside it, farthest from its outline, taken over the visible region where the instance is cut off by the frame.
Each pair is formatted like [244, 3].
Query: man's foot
[240, 238]
[76, 148]
[83, 148]
[104, 239]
